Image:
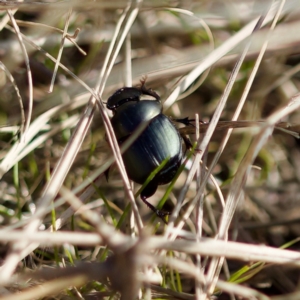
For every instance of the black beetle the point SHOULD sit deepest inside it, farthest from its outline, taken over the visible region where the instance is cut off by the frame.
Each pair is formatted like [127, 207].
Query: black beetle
[159, 141]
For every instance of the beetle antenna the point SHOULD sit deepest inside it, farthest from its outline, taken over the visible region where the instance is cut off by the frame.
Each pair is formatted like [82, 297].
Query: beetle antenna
[143, 80]
[146, 91]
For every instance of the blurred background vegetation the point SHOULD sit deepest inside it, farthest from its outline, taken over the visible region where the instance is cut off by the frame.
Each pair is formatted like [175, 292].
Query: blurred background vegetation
[167, 40]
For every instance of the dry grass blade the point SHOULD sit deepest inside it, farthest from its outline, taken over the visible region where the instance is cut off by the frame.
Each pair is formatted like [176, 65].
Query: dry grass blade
[292, 129]
[205, 246]
[65, 33]
[131, 14]
[227, 216]
[49, 288]
[11, 78]
[29, 75]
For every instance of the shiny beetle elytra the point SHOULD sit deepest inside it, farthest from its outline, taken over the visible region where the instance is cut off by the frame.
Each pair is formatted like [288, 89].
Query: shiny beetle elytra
[159, 141]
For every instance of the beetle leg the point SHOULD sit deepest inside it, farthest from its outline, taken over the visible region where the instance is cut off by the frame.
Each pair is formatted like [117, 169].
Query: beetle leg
[106, 173]
[187, 142]
[148, 191]
[185, 121]
[161, 214]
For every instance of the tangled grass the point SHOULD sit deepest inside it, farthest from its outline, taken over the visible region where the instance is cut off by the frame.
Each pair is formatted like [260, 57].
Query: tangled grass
[67, 232]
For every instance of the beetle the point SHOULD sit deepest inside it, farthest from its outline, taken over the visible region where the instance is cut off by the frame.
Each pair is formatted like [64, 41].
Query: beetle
[159, 141]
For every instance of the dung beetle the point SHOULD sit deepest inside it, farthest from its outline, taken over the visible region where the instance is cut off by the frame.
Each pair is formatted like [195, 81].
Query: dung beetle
[159, 141]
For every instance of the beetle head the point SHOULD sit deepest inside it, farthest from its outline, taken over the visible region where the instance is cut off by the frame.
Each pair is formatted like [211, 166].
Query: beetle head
[122, 96]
